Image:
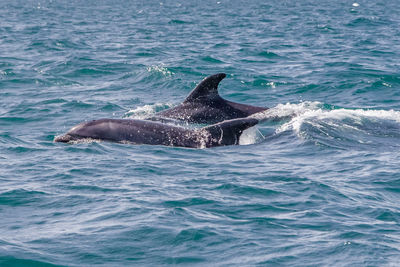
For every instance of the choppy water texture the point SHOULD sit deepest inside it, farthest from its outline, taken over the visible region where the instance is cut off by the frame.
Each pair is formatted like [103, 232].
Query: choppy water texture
[317, 185]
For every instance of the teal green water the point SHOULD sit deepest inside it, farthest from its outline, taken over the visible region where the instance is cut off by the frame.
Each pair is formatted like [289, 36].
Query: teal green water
[318, 185]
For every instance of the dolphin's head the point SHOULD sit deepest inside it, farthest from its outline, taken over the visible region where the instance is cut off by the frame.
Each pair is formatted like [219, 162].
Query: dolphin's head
[75, 133]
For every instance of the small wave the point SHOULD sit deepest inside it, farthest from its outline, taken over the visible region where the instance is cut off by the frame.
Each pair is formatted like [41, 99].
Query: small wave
[76, 104]
[268, 54]
[178, 21]
[319, 114]
[187, 202]
[15, 261]
[18, 197]
[336, 127]
[212, 60]
[288, 110]
[365, 22]
[90, 71]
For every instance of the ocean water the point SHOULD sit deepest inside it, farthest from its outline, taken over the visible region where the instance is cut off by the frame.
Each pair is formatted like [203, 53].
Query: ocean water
[316, 185]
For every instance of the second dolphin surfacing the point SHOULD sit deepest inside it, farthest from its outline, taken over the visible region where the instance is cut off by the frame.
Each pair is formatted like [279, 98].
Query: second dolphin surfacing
[204, 105]
[156, 133]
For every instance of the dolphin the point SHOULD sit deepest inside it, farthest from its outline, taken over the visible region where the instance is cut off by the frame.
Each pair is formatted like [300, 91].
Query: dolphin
[156, 133]
[205, 106]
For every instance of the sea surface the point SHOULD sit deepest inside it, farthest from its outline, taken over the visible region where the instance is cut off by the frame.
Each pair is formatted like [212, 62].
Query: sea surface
[318, 184]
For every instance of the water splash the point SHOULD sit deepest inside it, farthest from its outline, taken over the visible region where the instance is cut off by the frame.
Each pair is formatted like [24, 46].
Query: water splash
[146, 111]
[250, 136]
[160, 69]
[342, 128]
[304, 114]
[288, 110]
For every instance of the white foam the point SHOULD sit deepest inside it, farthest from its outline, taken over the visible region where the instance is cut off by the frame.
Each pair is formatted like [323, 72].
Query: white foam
[249, 136]
[160, 69]
[313, 114]
[282, 111]
[146, 110]
[85, 141]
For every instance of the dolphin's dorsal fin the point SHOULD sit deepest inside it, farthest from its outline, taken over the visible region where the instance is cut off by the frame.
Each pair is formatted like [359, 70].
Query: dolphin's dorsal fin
[207, 88]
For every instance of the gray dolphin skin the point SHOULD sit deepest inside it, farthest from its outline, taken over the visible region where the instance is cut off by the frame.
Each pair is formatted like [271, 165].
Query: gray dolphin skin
[156, 133]
[204, 105]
